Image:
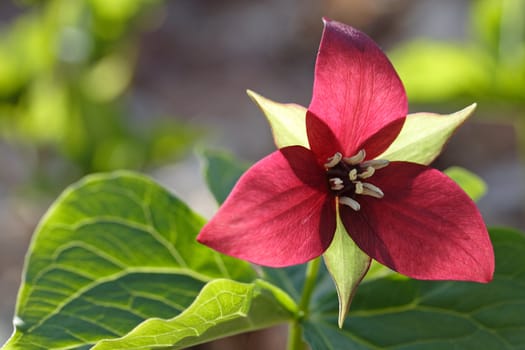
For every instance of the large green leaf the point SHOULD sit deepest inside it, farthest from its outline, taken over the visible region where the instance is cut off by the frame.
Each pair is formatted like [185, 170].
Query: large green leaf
[112, 251]
[403, 314]
[424, 135]
[223, 308]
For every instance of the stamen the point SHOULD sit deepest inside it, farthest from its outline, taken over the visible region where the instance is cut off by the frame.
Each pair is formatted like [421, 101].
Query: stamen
[358, 158]
[367, 173]
[371, 190]
[358, 187]
[346, 177]
[350, 202]
[352, 174]
[375, 163]
[333, 161]
[336, 184]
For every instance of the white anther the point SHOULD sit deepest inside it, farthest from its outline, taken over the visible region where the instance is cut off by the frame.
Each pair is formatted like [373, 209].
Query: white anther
[367, 173]
[371, 190]
[358, 158]
[352, 174]
[333, 161]
[375, 163]
[350, 202]
[336, 184]
[358, 187]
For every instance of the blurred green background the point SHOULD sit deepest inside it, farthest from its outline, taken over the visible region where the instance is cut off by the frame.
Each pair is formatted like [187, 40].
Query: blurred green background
[66, 67]
[488, 68]
[98, 85]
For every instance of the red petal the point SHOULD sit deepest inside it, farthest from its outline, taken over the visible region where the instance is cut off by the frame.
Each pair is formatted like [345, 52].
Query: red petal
[280, 213]
[356, 90]
[321, 138]
[425, 227]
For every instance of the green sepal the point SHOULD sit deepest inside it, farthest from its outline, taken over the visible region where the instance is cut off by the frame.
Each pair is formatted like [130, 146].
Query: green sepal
[424, 135]
[287, 121]
[348, 265]
[421, 139]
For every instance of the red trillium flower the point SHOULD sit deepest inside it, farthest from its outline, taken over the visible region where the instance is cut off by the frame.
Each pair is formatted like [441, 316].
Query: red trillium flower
[409, 217]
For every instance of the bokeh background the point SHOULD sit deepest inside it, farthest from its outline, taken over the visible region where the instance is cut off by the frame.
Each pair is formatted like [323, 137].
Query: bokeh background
[96, 85]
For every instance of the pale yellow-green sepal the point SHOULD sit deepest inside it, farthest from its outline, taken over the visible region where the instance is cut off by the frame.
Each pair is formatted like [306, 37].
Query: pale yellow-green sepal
[348, 265]
[287, 121]
[424, 135]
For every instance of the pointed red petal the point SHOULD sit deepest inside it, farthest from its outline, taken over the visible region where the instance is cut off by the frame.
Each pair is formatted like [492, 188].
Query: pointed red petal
[279, 213]
[425, 227]
[321, 138]
[356, 90]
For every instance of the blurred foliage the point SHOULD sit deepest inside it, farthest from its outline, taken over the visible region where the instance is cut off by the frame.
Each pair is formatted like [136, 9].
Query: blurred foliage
[469, 182]
[490, 67]
[65, 70]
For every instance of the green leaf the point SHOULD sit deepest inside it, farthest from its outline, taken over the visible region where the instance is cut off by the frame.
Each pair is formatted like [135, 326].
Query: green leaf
[289, 279]
[223, 308]
[347, 265]
[434, 71]
[424, 135]
[221, 172]
[112, 251]
[287, 121]
[472, 184]
[399, 313]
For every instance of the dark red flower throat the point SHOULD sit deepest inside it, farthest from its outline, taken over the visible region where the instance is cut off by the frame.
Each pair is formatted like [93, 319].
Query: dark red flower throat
[345, 177]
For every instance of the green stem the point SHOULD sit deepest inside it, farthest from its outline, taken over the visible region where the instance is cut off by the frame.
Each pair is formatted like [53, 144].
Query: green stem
[309, 283]
[295, 336]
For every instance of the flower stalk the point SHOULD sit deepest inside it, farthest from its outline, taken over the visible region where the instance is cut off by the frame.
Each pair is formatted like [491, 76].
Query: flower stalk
[295, 335]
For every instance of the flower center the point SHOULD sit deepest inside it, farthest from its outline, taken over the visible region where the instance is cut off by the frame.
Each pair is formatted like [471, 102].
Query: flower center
[345, 177]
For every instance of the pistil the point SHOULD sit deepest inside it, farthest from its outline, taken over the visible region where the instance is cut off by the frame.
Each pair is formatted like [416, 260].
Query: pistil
[345, 175]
